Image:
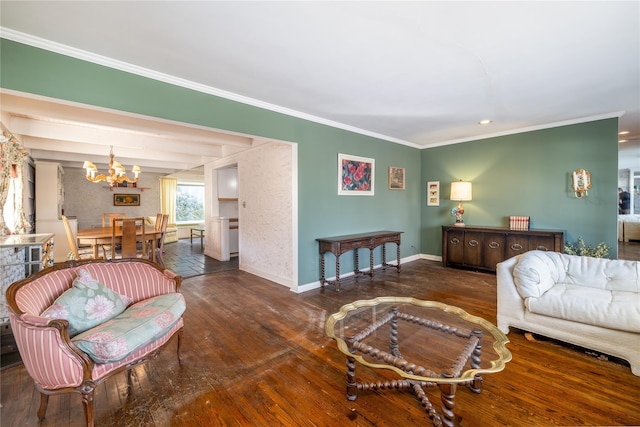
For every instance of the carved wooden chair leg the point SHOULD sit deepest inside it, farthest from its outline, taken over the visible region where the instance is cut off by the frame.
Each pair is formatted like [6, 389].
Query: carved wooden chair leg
[87, 402]
[130, 379]
[179, 349]
[44, 401]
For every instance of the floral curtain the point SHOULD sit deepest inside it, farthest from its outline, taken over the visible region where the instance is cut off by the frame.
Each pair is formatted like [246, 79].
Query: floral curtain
[12, 156]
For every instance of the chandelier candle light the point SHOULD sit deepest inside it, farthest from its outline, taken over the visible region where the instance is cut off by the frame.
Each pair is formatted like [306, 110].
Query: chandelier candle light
[116, 172]
[460, 192]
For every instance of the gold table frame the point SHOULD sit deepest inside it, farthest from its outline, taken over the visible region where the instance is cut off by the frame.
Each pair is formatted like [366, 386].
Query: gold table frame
[465, 368]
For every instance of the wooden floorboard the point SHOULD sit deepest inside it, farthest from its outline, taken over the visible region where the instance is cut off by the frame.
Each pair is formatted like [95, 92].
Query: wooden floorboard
[256, 354]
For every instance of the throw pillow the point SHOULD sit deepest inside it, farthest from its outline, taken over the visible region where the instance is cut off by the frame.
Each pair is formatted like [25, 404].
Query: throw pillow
[87, 304]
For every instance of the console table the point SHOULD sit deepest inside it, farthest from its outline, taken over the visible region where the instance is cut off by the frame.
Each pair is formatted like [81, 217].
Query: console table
[340, 244]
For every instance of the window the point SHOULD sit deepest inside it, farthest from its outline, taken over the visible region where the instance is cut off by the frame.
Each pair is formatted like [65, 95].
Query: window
[190, 202]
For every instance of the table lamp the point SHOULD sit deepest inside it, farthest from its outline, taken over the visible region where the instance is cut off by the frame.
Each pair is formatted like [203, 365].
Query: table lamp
[460, 192]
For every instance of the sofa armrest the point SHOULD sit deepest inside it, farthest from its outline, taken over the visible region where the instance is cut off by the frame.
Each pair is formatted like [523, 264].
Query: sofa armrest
[510, 303]
[62, 364]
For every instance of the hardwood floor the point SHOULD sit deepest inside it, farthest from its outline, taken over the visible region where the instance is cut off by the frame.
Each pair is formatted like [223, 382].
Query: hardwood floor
[256, 354]
[629, 250]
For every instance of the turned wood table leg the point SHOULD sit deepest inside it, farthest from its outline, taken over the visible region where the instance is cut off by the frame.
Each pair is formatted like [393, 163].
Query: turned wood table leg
[384, 256]
[393, 339]
[447, 395]
[398, 257]
[352, 387]
[370, 264]
[338, 273]
[476, 384]
[322, 273]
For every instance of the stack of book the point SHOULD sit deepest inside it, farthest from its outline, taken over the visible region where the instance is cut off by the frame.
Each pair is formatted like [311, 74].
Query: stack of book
[519, 222]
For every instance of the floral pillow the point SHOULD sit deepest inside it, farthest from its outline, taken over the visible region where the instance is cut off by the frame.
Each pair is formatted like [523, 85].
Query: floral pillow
[87, 304]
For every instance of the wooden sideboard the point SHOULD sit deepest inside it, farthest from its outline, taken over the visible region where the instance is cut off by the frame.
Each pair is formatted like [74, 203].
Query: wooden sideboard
[352, 242]
[481, 248]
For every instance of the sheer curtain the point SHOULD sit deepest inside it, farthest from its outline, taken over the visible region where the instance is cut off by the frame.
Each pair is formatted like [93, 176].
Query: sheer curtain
[168, 191]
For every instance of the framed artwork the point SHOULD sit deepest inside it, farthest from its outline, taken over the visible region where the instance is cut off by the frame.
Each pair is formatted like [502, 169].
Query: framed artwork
[396, 178]
[126, 200]
[433, 193]
[355, 175]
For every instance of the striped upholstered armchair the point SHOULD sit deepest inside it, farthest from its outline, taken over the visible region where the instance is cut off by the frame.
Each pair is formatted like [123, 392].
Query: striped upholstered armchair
[80, 322]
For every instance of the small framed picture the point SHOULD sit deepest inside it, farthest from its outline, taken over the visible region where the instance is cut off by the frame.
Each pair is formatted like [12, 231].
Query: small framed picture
[126, 200]
[433, 193]
[396, 178]
[355, 175]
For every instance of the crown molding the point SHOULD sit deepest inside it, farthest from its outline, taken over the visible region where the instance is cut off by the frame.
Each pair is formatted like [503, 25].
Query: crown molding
[62, 49]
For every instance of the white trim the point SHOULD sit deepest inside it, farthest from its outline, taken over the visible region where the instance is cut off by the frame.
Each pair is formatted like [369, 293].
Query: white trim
[62, 49]
[530, 129]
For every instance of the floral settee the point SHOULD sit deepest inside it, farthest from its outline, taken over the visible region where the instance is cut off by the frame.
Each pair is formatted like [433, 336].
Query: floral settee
[80, 322]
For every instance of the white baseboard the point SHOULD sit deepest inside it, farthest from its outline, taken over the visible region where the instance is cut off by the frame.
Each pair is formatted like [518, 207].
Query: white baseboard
[315, 285]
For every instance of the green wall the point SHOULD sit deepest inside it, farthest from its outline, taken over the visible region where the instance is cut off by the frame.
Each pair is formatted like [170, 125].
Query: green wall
[522, 174]
[529, 174]
[322, 212]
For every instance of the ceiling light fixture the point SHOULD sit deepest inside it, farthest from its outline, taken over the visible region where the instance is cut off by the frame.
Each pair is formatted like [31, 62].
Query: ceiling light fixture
[484, 122]
[116, 172]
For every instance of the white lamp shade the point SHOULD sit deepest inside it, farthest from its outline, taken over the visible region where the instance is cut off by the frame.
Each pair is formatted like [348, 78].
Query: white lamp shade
[461, 191]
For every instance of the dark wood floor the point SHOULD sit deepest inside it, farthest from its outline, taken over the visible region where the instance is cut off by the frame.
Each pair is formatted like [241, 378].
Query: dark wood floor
[629, 250]
[256, 354]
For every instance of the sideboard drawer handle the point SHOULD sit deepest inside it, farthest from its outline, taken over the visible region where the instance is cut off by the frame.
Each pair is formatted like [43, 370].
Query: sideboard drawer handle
[454, 241]
[473, 243]
[542, 248]
[494, 245]
[516, 247]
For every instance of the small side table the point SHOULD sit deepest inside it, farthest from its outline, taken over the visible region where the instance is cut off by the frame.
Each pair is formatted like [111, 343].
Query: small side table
[197, 232]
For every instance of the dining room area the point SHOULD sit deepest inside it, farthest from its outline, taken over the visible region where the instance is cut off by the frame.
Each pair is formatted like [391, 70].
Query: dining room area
[119, 237]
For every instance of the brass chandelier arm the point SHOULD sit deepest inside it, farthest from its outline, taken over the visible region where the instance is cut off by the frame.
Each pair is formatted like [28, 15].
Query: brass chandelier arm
[103, 177]
[116, 172]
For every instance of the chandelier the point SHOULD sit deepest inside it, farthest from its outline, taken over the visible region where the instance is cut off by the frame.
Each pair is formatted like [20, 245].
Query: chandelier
[116, 172]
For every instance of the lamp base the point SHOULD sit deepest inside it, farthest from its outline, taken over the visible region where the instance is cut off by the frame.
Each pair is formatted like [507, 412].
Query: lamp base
[459, 224]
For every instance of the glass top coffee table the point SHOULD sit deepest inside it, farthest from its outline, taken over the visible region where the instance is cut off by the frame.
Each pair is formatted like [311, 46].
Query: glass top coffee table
[417, 344]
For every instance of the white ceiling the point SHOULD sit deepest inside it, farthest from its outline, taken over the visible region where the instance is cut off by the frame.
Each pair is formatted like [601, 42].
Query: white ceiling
[419, 73]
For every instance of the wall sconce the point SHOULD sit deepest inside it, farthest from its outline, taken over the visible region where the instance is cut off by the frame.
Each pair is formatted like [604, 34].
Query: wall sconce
[460, 192]
[581, 182]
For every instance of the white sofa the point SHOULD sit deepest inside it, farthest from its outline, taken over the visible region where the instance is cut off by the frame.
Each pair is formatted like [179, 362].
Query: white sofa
[589, 302]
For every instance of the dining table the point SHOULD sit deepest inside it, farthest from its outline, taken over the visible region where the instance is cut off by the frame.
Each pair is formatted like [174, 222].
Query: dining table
[99, 236]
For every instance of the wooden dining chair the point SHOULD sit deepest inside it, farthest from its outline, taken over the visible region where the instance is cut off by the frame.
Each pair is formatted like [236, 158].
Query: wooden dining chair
[107, 221]
[107, 218]
[162, 228]
[130, 233]
[76, 253]
[158, 223]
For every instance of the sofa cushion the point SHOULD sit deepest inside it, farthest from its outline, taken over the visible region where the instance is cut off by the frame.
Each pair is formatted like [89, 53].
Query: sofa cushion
[86, 304]
[598, 307]
[139, 325]
[601, 273]
[535, 274]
